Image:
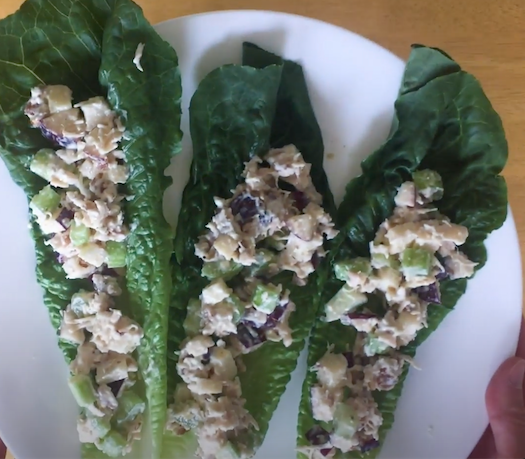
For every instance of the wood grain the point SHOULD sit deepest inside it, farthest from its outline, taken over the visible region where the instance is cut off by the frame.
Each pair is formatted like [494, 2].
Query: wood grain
[485, 36]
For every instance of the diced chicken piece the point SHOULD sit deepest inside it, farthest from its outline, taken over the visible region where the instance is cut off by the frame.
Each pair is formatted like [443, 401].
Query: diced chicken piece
[223, 364]
[70, 156]
[76, 268]
[400, 329]
[303, 226]
[87, 357]
[430, 233]
[93, 254]
[383, 374]
[105, 398]
[116, 173]
[201, 386]
[387, 280]
[190, 368]
[46, 100]
[216, 292]
[331, 369]
[58, 98]
[115, 367]
[258, 318]
[89, 303]
[61, 244]
[324, 221]
[290, 165]
[282, 330]
[47, 222]
[134, 432]
[369, 416]
[297, 257]
[67, 125]
[103, 140]
[89, 168]
[138, 56]
[111, 331]
[324, 401]
[106, 284]
[184, 413]
[365, 325]
[198, 345]
[344, 444]
[87, 430]
[226, 246]
[217, 319]
[406, 195]
[96, 112]
[459, 266]
[69, 331]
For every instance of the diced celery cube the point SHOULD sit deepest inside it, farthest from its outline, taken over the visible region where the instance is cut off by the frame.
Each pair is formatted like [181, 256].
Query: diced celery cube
[428, 183]
[238, 307]
[79, 302]
[380, 260]
[344, 301]
[266, 298]
[79, 233]
[101, 426]
[416, 261]
[116, 251]
[130, 405]
[47, 200]
[357, 265]
[345, 421]
[226, 269]
[42, 161]
[263, 258]
[374, 346]
[82, 389]
[113, 444]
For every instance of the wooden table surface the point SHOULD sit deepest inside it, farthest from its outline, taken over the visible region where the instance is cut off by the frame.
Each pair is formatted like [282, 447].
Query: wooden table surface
[486, 37]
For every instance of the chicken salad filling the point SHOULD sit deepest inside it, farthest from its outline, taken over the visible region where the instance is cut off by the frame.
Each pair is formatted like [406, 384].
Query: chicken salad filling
[342, 402]
[414, 249]
[81, 215]
[412, 252]
[274, 222]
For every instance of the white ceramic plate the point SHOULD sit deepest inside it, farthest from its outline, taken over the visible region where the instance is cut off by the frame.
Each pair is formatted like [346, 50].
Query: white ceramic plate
[353, 84]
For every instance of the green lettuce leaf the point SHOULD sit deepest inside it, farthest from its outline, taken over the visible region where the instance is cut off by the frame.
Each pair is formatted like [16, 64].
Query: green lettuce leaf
[443, 121]
[231, 115]
[238, 112]
[89, 46]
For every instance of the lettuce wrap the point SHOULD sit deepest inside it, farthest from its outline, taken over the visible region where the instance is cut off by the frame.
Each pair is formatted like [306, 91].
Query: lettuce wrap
[238, 112]
[90, 46]
[443, 123]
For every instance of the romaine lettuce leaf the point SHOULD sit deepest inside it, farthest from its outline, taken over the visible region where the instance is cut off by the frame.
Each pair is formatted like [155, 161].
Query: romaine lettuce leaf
[231, 115]
[239, 111]
[89, 46]
[443, 121]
